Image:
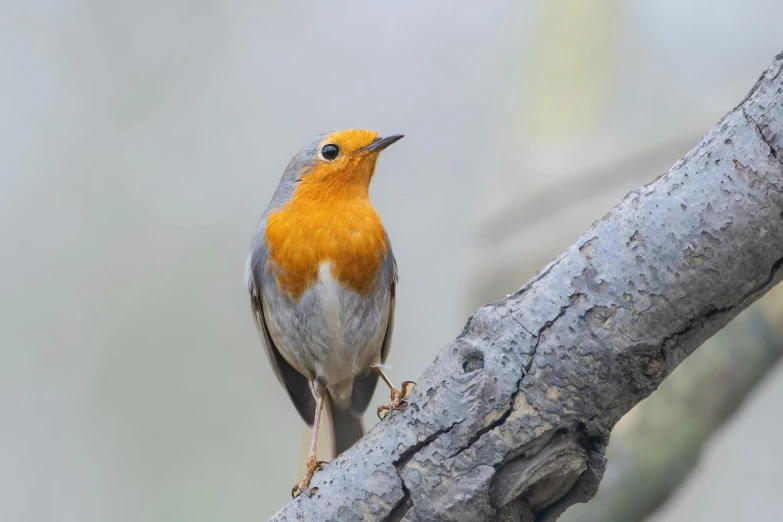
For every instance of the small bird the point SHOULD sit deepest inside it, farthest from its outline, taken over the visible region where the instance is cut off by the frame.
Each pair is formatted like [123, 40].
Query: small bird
[322, 280]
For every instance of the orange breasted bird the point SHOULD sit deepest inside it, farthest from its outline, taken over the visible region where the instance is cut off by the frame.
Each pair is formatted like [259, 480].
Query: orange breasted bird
[322, 280]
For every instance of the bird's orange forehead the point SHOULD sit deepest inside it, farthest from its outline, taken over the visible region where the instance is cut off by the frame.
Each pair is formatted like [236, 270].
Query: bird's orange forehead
[351, 140]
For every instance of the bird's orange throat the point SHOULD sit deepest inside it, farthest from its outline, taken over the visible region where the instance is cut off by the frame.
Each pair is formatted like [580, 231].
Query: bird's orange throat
[329, 219]
[347, 180]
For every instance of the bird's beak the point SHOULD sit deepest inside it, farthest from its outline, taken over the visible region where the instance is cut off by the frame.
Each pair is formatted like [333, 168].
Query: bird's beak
[378, 144]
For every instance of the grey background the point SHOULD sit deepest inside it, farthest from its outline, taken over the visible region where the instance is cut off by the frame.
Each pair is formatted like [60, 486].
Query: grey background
[140, 142]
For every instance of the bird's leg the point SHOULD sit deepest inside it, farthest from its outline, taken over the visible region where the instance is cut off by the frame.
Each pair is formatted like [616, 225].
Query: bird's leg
[313, 464]
[397, 396]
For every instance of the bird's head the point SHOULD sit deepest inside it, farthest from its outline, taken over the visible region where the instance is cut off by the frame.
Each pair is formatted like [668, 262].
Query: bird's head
[341, 159]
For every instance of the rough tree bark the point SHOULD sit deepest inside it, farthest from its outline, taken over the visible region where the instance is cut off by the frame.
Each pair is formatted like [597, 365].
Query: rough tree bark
[686, 412]
[511, 420]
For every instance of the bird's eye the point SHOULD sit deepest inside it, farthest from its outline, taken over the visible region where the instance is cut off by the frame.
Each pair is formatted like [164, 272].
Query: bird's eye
[330, 151]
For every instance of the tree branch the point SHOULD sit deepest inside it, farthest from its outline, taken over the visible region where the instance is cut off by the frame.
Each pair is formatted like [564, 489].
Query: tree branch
[511, 420]
[686, 411]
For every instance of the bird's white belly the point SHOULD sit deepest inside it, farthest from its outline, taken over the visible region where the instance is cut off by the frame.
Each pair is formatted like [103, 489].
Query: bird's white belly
[331, 332]
[330, 308]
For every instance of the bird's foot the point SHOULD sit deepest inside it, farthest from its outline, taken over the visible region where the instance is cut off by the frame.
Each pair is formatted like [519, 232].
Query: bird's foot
[397, 398]
[313, 465]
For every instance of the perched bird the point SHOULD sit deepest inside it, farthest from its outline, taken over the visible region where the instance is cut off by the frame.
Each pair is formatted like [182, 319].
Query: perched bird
[322, 281]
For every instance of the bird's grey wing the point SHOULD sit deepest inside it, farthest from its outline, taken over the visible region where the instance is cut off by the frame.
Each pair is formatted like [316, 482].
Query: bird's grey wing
[392, 301]
[364, 383]
[296, 384]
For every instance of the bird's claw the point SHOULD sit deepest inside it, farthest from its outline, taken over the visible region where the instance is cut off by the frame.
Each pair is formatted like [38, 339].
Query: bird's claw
[298, 489]
[407, 388]
[397, 398]
[313, 465]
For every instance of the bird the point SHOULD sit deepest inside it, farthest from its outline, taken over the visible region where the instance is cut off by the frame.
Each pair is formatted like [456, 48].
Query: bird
[322, 280]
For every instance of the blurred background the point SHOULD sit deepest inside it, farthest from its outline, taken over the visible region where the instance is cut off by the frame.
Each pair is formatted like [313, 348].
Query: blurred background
[141, 141]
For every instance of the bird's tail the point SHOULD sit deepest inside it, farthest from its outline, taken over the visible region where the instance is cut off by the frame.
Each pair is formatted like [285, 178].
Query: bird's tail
[345, 429]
